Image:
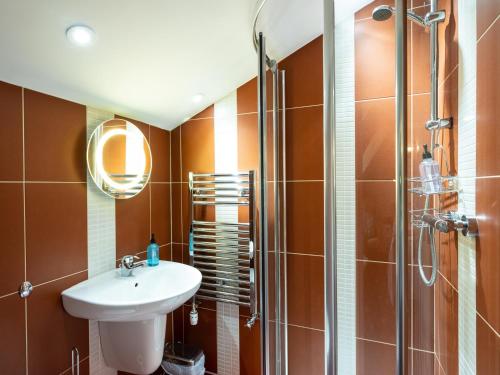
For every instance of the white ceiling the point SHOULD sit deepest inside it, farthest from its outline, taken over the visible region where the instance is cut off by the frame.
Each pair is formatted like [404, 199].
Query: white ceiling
[150, 57]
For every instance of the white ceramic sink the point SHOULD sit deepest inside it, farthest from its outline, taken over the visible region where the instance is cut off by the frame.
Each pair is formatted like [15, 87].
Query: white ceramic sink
[131, 311]
[150, 291]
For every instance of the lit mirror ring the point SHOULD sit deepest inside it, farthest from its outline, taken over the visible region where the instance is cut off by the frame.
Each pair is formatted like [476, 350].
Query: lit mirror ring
[119, 158]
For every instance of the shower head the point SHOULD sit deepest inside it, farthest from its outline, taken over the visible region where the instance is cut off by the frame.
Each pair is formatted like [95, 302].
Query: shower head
[384, 12]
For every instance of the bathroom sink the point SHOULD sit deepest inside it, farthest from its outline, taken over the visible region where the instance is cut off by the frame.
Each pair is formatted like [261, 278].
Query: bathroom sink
[131, 311]
[150, 291]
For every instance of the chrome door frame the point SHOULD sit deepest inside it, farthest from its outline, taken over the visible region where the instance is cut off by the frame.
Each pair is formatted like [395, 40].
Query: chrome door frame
[329, 158]
[401, 186]
[329, 171]
[262, 187]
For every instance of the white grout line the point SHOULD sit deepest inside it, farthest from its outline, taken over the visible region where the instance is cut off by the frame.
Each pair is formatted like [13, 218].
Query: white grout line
[55, 182]
[181, 201]
[24, 179]
[24, 231]
[485, 177]
[448, 76]
[482, 318]
[488, 324]
[421, 350]
[8, 295]
[287, 181]
[439, 363]
[302, 107]
[375, 99]
[59, 278]
[375, 341]
[301, 254]
[26, 332]
[304, 327]
[448, 281]
[488, 29]
[375, 261]
[375, 180]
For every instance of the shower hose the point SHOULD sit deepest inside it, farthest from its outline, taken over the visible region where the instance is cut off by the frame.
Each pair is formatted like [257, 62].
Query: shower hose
[430, 230]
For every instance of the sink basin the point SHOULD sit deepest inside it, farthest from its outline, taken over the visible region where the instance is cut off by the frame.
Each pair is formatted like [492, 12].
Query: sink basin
[150, 291]
[131, 311]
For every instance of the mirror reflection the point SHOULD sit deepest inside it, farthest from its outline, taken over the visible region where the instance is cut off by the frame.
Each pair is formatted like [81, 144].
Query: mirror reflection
[119, 158]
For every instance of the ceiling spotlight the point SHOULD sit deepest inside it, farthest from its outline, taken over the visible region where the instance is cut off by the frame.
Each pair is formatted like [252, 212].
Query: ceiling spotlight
[198, 98]
[80, 35]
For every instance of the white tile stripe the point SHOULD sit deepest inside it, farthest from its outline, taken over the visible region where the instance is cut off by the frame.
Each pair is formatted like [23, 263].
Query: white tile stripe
[226, 160]
[346, 196]
[101, 251]
[467, 196]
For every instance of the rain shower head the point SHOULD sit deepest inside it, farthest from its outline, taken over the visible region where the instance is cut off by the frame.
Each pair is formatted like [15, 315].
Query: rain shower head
[384, 12]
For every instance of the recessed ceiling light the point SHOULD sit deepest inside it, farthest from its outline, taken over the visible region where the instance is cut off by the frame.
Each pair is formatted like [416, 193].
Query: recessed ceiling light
[80, 35]
[198, 98]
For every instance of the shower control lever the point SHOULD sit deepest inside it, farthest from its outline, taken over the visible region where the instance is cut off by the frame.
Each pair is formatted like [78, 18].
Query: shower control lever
[437, 16]
[440, 123]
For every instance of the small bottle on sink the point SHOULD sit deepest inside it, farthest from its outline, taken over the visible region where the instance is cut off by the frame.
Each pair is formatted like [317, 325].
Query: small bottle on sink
[153, 252]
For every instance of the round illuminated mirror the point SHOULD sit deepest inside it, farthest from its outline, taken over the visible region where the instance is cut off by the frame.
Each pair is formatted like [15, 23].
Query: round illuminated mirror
[119, 158]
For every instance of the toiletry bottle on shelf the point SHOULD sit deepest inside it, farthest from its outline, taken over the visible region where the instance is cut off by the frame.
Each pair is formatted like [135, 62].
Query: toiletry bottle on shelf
[429, 173]
[153, 252]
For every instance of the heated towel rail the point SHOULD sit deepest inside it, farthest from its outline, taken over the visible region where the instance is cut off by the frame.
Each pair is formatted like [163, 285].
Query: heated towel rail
[223, 251]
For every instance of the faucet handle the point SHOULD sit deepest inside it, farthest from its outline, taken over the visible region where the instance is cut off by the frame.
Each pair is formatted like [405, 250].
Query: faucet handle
[128, 261]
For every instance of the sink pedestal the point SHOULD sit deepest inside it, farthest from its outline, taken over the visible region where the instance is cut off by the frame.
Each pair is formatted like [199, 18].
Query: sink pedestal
[135, 347]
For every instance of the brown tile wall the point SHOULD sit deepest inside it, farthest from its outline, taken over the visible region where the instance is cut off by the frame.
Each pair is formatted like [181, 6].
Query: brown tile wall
[193, 150]
[488, 188]
[374, 95]
[43, 200]
[433, 312]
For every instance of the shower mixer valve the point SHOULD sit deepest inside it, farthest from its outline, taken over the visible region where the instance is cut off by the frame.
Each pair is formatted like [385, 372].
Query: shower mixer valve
[446, 223]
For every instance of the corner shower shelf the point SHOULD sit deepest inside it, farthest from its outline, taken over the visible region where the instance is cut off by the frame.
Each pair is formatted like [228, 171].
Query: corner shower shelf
[449, 184]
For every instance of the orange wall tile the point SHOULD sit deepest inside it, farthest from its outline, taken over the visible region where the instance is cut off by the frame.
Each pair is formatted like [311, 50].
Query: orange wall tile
[11, 133]
[45, 215]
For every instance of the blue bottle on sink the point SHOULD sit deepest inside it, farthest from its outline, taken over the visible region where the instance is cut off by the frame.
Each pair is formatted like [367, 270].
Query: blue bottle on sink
[153, 252]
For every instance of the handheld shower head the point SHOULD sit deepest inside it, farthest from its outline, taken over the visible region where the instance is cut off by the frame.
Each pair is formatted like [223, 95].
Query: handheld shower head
[384, 12]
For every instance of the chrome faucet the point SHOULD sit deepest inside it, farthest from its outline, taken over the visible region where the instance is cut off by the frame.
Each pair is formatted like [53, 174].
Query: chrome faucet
[128, 264]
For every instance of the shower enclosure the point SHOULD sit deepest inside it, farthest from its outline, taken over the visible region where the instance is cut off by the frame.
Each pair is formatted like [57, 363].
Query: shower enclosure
[389, 89]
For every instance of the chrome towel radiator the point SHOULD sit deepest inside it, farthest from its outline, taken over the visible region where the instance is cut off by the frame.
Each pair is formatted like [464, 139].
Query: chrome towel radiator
[223, 251]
